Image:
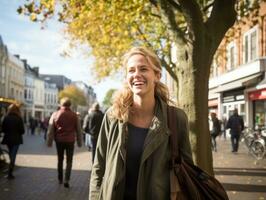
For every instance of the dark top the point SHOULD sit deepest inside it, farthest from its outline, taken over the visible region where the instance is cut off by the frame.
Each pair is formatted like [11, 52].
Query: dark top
[92, 123]
[216, 128]
[13, 129]
[136, 137]
[236, 124]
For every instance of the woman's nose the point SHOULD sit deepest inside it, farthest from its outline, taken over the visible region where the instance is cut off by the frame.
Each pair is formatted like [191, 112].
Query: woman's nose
[137, 72]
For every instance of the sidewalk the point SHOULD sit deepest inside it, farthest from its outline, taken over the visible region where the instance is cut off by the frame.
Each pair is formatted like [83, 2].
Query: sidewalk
[36, 175]
[243, 177]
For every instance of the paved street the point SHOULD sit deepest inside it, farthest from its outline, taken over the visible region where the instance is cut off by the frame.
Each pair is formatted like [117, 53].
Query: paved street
[36, 177]
[243, 177]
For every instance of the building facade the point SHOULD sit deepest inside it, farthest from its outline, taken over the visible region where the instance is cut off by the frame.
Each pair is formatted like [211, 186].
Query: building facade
[3, 67]
[50, 99]
[238, 72]
[29, 89]
[15, 78]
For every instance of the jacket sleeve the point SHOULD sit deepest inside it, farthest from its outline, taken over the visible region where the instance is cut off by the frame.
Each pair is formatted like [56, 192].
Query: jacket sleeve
[228, 125]
[21, 124]
[84, 125]
[184, 144]
[98, 168]
[79, 133]
[51, 131]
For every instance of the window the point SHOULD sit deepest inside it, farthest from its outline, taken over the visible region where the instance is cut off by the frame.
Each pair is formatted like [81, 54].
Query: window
[253, 45]
[214, 69]
[231, 56]
[250, 45]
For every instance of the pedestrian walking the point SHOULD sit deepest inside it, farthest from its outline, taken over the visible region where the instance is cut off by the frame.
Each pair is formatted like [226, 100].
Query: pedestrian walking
[45, 124]
[64, 128]
[92, 124]
[133, 153]
[236, 125]
[13, 129]
[215, 131]
[85, 127]
[223, 127]
[33, 124]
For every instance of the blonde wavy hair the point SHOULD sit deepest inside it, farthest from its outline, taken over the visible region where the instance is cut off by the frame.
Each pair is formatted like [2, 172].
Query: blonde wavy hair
[123, 99]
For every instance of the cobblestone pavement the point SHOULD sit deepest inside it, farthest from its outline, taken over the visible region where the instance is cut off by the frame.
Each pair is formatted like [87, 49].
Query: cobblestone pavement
[36, 175]
[243, 177]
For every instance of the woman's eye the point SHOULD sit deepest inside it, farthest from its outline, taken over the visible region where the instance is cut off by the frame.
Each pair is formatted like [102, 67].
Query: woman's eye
[144, 69]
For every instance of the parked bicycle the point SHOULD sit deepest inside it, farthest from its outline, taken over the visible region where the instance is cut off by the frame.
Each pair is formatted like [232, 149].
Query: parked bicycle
[255, 142]
[4, 155]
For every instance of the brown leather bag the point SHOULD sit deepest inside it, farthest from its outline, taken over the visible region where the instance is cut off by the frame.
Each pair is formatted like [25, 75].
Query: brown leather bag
[189, 182]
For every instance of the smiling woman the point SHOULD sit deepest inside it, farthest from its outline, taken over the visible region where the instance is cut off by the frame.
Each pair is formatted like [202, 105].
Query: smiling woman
[132, 154]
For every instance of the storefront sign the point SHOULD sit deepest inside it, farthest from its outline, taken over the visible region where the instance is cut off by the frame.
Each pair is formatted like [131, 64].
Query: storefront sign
[213, 103]
[257, 95]
[233, 95]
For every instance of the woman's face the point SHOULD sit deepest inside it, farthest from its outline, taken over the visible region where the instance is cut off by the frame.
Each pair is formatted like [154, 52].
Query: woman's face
[141, 77]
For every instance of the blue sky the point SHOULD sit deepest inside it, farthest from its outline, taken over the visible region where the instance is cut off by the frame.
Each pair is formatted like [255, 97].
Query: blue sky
[42, 48]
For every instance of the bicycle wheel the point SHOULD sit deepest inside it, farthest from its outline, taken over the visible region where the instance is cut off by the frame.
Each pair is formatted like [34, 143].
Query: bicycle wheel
[248, 139]
[257, 149]
[4, 157]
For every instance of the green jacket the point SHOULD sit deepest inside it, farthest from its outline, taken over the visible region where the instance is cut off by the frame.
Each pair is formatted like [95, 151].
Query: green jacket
[109, 168]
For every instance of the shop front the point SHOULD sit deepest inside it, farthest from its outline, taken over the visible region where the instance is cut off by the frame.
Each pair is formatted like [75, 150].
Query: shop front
[213, 105]
[233, 99]
[258, 99]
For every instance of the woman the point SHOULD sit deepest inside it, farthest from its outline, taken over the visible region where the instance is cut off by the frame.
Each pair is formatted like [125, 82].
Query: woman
[13, 129]
[133, 153]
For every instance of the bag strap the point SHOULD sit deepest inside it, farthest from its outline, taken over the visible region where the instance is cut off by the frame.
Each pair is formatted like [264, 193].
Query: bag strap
[171, 121]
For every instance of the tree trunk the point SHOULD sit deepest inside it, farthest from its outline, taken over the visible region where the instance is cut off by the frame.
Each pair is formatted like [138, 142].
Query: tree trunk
[193, 76]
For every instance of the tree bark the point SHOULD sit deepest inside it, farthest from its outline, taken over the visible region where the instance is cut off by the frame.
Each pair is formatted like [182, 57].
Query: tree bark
[193, 76]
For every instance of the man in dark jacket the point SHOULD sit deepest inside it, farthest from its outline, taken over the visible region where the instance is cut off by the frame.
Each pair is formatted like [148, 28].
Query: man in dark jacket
[236, 125]
[64, 128]
[92, 124]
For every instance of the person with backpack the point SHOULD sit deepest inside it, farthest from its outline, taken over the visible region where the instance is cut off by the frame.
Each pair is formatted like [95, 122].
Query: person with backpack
[132, 159]
[92, 124]
[215, 130]
[236, 125]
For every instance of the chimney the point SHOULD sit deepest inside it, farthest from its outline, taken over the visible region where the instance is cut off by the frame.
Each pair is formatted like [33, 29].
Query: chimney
[36, 69]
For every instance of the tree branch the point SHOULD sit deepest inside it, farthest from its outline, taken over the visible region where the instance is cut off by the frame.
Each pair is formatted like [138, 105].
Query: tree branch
[207, 7]
[168, 17]
[222, 17]
[175, 5]
[193, 16]
[169, 69]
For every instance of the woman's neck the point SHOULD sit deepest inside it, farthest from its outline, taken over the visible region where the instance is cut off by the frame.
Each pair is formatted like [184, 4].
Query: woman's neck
[142, 111]
[141, 104]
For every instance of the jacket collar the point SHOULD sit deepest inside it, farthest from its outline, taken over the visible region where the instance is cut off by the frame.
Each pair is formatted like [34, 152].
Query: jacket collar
[157, 134]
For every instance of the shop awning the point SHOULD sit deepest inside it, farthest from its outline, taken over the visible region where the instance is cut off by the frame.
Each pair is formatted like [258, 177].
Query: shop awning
[262, 84]
[238, 83]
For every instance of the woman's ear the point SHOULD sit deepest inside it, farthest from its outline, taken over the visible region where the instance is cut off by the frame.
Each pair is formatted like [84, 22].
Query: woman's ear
[158, 76]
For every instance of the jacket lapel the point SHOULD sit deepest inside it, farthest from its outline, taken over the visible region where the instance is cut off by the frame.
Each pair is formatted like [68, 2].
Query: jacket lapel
[158, 132]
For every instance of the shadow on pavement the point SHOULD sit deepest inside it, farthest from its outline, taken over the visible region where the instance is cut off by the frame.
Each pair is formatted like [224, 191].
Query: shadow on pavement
[244, 187]
[240, 171]
[36, 145]
[42, 184]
